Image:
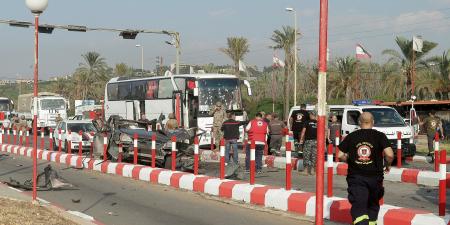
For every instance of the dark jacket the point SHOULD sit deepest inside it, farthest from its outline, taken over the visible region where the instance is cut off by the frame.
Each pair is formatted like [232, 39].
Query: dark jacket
[230, 129]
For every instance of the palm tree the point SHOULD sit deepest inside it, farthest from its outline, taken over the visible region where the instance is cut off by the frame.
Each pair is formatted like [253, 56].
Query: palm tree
[405, 57]
[236, 50]
[346, 69]
[443, 78]
[284, 39]
[122, 69]
[90, 75]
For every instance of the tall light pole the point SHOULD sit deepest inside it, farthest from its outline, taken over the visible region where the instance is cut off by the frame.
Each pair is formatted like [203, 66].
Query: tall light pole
[176, 43]
[142, 58]
[37, 7]
[321, 106]
[295, 53]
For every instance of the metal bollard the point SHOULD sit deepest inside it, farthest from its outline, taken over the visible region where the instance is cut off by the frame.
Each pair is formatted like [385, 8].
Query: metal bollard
[196, 147]
[69, 143]
[42, 139]
[91, 150]
[174, 153]
[80, 143]
[288, 166]
[252, 163]
[105, 147]
[119, 156]
[153, 150]
[442, 182]
[336, 146]
[59, 141]
[436, 152]
[399, 149]
[330, 171]
[135, 149]
[222, 159]
[50, 140]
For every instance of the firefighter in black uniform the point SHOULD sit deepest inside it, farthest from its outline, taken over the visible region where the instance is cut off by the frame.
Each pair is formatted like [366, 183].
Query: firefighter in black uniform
[363, 150]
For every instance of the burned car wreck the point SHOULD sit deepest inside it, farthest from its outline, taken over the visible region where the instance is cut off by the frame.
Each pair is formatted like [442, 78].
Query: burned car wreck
[120, 131]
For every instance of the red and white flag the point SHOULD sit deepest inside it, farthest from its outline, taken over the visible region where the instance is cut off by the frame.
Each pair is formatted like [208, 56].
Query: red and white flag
[361, 53]
[277, 62]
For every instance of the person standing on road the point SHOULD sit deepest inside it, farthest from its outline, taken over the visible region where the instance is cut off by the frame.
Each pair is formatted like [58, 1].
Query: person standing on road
[219, 115]
[309, 138]
[363, 151]
[297, 122]
[230, 129]
[334, 126]
[432, 124]
[58, 119]
[276, 128]
[257, 131]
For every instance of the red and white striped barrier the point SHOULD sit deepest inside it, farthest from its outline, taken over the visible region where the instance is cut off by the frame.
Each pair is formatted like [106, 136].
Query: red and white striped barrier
[135, 148]
[120, 154]
[153, 150]
[42, 138]
[252, 162]
[222, 159]
[50, 140]
[91, 149]
[80, 143]
[105, 147]
[330, 171]
[196, 158]
[335, 209]
[399, 149]
[3, 135]
[59, 140]
[288, 166]
[69, 146]
[442, 182]
[336, 145]
[27, 138]
[436, 152]
[174, 153]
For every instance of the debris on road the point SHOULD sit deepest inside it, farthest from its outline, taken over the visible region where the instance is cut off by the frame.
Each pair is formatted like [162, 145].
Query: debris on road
[16, 212]
[47, 180]
[76, 200]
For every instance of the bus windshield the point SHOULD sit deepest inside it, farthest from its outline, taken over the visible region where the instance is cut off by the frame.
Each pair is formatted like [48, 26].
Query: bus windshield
[52, 104]
[221, 90]
[5, 105]
[386, 117]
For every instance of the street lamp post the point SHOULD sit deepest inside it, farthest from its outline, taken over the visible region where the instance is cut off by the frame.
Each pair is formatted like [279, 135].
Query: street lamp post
[37, 7]
[176, 44]
[295, 53]
[142, 58]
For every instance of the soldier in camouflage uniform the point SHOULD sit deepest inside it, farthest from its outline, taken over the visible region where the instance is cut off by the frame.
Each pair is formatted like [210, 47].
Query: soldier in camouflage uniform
[432, 124]
[309, 138]
[220, 116]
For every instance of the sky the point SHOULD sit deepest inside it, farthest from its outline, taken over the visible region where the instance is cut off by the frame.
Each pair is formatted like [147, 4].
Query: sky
[204, 26]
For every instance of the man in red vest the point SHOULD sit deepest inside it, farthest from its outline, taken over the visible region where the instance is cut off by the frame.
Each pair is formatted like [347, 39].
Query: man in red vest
[257, 131]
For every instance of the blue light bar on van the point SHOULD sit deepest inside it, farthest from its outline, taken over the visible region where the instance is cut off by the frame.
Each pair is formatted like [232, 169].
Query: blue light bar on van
[362, 102]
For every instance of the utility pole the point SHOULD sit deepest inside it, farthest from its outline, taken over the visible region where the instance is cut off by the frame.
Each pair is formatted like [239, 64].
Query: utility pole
[321, 106]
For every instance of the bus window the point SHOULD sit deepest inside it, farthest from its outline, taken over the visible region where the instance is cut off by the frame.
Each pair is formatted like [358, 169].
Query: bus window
[165, 88]
[152, 90]
[138, 90]
[124, 91]
[112, 92]
[181, 83]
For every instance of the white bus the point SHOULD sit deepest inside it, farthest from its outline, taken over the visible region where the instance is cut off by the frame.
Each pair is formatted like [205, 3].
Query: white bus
[153, 96]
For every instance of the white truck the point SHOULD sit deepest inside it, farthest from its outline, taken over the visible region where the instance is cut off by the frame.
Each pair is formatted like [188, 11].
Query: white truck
[49, 105]
[387, 120]
[6, 110]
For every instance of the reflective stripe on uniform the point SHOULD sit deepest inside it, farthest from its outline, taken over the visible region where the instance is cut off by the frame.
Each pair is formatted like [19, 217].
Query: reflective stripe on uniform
[372, 222]
[361, 218]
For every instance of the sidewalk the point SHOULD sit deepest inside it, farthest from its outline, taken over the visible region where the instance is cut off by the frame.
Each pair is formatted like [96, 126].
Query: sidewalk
[16, 208]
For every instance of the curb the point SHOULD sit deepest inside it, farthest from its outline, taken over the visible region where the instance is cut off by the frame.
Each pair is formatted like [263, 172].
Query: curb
[403, 175]
[335, 208]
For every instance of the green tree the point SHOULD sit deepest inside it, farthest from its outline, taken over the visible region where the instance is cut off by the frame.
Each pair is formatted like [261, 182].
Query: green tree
[122, 69]
[284, 39]
[236, 49]
[346, 73]
[442, 83]
[405, 58]
[90, 75]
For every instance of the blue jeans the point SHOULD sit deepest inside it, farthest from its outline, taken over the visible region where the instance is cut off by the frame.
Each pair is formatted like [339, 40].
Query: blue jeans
[228, 145]
[259, 150]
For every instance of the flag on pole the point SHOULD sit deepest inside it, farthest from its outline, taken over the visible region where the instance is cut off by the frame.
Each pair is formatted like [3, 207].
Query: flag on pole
[242, 66]
[361, 53]
[277, 62]
[417, 43]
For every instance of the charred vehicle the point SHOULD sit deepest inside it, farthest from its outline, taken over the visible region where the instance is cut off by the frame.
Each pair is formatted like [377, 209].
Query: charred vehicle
[120, 131]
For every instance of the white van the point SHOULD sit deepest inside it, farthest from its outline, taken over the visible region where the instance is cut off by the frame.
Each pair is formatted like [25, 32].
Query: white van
[387, 120]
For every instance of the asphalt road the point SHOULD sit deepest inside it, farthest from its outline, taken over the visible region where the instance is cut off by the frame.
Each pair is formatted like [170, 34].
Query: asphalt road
[117, 200]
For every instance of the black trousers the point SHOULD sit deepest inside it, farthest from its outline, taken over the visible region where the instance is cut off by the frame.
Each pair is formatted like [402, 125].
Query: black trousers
[364, 193]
